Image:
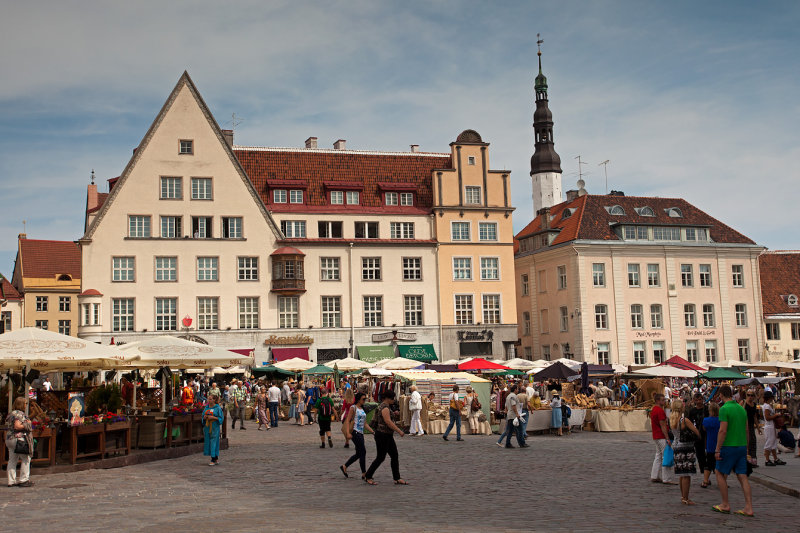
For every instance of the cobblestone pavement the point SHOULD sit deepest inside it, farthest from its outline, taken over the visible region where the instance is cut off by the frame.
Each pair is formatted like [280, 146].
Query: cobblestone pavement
[281, 480]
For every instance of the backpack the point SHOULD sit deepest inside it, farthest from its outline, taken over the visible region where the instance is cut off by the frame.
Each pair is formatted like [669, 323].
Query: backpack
[377, 423]
[475, 405]
[325, 407]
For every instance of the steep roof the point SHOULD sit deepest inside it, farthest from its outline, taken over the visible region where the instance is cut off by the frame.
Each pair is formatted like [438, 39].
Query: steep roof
[7, 290]
[319, 171]
[780, 277]
[591, 219]
[44, 259]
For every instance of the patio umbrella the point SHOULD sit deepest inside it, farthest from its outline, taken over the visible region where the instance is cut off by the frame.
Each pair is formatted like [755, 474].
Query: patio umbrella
[557, 370]
[174, 352]
[272, 369]
[481, 364]
[522, 364]
[666, 371]
[399, 363]
[318, 370]
[349, 363]
[295, 364]
[679, 362]
[722, 374]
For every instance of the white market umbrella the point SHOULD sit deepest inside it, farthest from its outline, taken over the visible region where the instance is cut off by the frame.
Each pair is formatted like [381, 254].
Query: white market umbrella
[295, 364]
[727, 363]
[399, 363]
[174, 352]
[619, 369]
[519, 364]
[348, 364]
[666, 371]
[776, 366]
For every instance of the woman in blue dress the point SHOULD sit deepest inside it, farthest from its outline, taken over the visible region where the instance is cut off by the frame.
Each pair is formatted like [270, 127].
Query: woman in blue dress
[555, 404]
[212, 422]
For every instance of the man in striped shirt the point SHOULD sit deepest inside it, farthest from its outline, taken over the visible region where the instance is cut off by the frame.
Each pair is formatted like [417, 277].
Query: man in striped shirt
[238, 397]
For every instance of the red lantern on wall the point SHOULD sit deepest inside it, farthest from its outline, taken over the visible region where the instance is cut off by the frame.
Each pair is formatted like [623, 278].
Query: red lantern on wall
[187, 321]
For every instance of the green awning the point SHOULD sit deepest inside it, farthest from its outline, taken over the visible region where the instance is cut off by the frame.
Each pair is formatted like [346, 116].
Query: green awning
[373, 354]
[318, 370]
[722, 374]
[271, 370]
[417, 352]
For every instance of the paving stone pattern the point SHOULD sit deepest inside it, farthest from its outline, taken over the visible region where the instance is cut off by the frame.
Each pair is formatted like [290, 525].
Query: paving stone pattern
[280, 480]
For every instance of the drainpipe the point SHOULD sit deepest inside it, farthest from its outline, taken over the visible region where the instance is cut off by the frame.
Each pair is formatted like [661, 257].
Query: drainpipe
[352, 303]
[439, 304]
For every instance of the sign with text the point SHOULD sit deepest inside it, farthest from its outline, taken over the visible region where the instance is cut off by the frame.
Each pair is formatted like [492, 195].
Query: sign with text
[393, 336]
[273, 340]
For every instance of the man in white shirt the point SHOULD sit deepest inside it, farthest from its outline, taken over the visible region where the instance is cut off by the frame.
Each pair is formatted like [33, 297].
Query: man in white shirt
[286, 394]
[415, 406]
[529, 390]
[513, 410]
[274, 398]
[47, 385]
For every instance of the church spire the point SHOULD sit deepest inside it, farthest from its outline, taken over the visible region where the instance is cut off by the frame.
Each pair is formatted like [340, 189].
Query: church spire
[545, 158]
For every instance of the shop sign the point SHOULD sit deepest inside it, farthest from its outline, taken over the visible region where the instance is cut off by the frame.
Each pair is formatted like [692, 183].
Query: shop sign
[393, 336]
[274, 340]
[701, 333]
[483, 335]
[648, 335]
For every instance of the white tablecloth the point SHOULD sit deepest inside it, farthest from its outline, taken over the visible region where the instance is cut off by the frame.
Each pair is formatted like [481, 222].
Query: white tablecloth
[539, 419]
[438, 427]
[613, 420]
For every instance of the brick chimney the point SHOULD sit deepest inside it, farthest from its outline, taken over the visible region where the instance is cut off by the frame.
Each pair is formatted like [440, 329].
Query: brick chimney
[415, 148]
[92, 200]
[311, 142]
[545, 214]
[572, 194]
[339, 145]
[228, 136]
[22, 236]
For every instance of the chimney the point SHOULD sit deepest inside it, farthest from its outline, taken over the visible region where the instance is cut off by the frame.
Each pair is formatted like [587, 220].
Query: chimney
[22, 236]
[339, 145]
[572, 194]
[91, 197]
[616, 193]
[545, 214]
[228, 136]
[311, 142]
[415, 148]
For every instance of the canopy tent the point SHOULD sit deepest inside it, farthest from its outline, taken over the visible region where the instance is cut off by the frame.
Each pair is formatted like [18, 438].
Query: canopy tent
[679, 362]
[399, 363]
[722, 374]
[777, 366]
[557, 370]
[348, 364]
[521, 364]
[271, 369]
[666, 371]
[318, 370]
[418, 352]
[294, 364]
[442, 384]
[378, 372]
[756, 381]
[728, 363]
[481, 364]
[373, 354]
[619, 369]
[174, 352]
[571, 363]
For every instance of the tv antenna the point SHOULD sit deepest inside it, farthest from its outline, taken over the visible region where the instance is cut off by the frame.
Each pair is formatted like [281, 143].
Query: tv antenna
[235, 121]
[605, 171]
[581, 182]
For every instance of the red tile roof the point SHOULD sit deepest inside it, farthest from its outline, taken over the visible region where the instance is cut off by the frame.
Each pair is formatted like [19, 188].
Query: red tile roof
[91, 292]
[323, 169]
[44, 259]
[591, 221]
[780, 277]
[7, 290]
[101, 199]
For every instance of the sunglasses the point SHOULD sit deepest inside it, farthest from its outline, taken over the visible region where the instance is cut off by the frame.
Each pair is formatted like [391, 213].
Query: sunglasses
[751, 395]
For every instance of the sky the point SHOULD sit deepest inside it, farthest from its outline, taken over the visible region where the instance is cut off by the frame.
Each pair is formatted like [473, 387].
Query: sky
[684, 99]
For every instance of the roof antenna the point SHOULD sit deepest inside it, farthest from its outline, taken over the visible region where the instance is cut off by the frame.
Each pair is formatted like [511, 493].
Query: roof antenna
[235, 121]
[605, 171]
[92, 176]
[25, 227]
[581, 183]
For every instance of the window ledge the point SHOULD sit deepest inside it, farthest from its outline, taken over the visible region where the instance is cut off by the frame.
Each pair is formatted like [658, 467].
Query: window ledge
[184, 239]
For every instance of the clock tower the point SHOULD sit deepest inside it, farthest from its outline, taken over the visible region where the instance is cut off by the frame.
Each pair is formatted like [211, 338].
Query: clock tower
[545, 163]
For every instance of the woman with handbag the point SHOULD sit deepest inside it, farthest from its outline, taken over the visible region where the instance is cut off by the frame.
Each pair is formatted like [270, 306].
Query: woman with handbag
[19, 442]
[212, 421]
[683, 448]
[455, 414]
[354, 425]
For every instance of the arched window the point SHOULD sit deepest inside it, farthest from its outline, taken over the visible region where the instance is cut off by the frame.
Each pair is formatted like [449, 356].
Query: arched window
[792, 300]
[64, 277]
[566, 214]
[674, 212]
[646, 211]
[617, 210]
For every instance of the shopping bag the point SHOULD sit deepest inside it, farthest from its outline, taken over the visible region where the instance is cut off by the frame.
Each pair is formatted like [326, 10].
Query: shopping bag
[669, 457]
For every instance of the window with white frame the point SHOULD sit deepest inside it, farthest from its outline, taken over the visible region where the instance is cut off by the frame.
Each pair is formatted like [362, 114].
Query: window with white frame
[123, 269]
[279, 196]
[637, 322]
[412, 268]
[708, 316]
[366, 230]
[207, 313]
[353, 197]
[296, 196]
[661, 233]
[171, 227]
[544, 321]
[635, 233]
[656, 316]
[248, 312]
[598, 274]
[370, 268]
[524, 284]
[459, 231]
[401, 230]
[406, 198]
[166, 268]
[773, 331]
[373, 311]
[601, 316]
[337, 197]
[687, 277]
[412, 310]
[633, 275]
[490, 268]
[207, 269]
[201, 189]
[741, 315]
[331, 312]
[247, 268]
[653, 275]
[562, 277]
[186, 147]
[171, 188]
[7, 320]
[41, 303]
[462, 268]
[795, 331]
[689, 316]
[294, 229]
[603, 353]
[705, 275]
[487, 231]
[202, 227]
[464, 313]
[691, 351]
[658, 352]
[563, 319]
[64, 304]
[711, 351]
[491, 308]
[472, 195]
[639, 354]
[231, 227]
[737, 273]
[329, 268]
[391, 198]
[743, 346]
[288, 314]
[526, 323]
[471, 160]
[64, 327]
[166, 314]
[122, 313]
[139, 226]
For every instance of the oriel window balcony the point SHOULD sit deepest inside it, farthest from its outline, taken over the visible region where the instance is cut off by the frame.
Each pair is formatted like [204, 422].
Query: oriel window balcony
[287, 271]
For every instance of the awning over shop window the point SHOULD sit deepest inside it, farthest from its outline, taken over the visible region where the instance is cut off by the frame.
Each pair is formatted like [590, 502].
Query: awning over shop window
[242, 351]
[417, 352]
[282, 354]
[373, 354]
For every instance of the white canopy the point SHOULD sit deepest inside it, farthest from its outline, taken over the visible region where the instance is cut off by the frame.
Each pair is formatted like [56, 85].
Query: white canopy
[574, 365]
[295, 364]
[349, 364]
[48, 351]
[619, 369]
[519, 364]
[174, 352]
[379, 372]
[727, 363]
[666, 371]
[776, 366]
[399, 363]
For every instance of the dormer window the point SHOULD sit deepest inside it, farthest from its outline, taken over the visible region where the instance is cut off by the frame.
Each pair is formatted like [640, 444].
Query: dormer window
[279, 196]
[645, 211]
[186, 147]
[566, 214]
[67, 277]
[791, 300]
[295, 196]
[616, 210]
[674, 212]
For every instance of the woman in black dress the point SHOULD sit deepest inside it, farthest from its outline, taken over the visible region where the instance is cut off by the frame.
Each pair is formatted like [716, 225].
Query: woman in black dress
[683, 447]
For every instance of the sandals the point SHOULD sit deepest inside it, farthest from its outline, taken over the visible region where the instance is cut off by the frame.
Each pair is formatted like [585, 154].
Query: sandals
[705, 485]
[344, 471]
[370, 481]
[719, 509]
[741, 512]
[400, 482]
[687, 501]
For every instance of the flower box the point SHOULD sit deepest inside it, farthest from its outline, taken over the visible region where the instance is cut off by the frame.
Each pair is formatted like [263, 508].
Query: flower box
[181, 419]
[89, 429]
[119, 425]
[42, 431]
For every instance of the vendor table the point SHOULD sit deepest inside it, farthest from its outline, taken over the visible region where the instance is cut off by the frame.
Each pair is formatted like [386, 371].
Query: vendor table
[46, 441]
[539, 420]
[119, 432]
[81, 432]
[618, 420]
[190, 426]
[438, 427]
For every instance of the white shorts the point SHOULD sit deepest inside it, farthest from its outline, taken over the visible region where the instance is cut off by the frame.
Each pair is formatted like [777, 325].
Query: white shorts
[770, 439]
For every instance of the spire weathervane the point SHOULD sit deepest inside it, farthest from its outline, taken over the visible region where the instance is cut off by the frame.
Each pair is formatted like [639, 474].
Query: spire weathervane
[539, 42]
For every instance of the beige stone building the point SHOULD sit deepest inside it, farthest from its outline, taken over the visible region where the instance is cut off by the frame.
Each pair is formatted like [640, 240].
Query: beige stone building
[11, 309]
[780, 294]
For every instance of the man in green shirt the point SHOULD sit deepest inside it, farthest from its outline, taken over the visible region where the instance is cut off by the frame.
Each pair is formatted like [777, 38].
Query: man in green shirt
[731, 452]
[325, 414]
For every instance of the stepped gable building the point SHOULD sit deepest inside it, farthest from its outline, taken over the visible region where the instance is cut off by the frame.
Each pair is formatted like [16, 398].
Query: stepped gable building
[11, 309]
[631, 280]
[308, 252]
[48, 276]
[780, 295]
